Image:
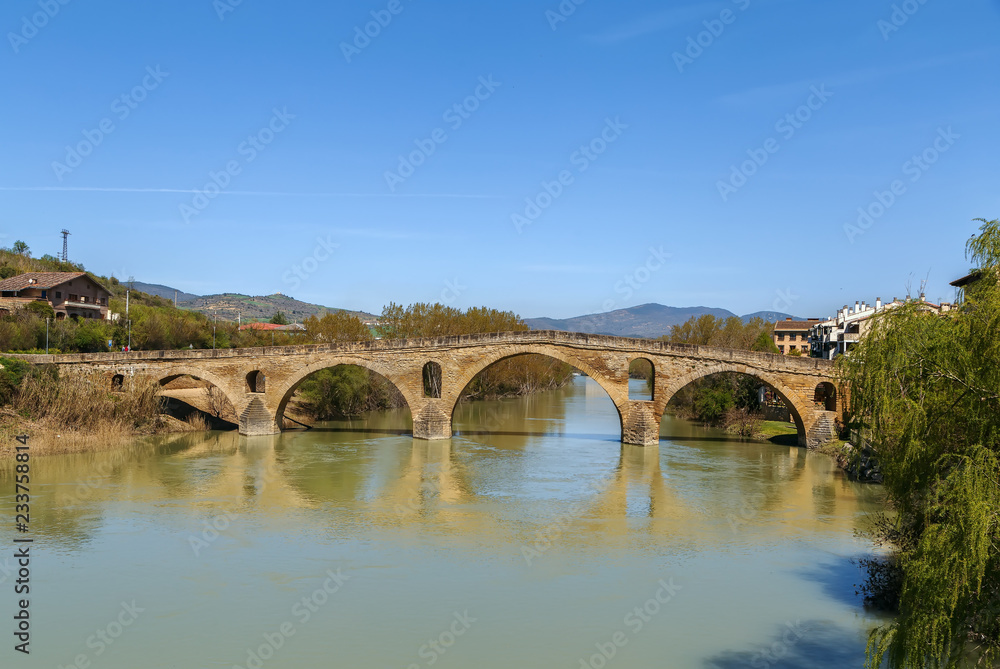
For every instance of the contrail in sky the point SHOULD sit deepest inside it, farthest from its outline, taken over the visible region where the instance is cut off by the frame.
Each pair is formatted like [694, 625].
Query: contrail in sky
[90, 189]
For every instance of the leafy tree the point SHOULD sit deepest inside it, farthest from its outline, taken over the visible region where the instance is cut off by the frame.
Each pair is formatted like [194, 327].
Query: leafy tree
[339, 326]
[21, 249]
[710, 399]
[347, 390]
[925, 390]
[92, 336]
[41, 309]
[279, 319]
[7, 271]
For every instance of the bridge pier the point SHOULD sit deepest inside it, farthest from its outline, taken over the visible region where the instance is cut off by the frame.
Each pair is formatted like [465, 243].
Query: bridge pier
[640, 423]
[432, 422]
[256, 420]
[822, 430]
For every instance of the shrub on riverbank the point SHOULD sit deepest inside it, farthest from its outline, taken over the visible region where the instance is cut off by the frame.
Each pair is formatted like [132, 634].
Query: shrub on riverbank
[345, 391]
[86, 403]
[63, 415]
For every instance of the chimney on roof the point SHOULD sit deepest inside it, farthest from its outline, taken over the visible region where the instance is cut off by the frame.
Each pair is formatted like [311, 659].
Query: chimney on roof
[789, 318]
[923, 298]
[857, 307]
[878, 304]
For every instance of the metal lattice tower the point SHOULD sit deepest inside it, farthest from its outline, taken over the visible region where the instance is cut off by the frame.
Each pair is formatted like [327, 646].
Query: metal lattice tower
[65, 251]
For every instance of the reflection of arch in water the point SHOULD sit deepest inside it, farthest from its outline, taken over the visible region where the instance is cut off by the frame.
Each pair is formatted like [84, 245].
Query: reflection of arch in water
[431, 480]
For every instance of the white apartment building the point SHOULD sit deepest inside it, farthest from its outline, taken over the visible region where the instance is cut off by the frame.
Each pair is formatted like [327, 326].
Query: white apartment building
[838, 335]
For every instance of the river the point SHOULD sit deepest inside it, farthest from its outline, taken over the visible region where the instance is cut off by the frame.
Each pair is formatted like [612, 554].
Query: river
[533, 538]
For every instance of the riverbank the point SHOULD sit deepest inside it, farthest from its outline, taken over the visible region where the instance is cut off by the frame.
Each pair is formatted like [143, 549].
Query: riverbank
[48, 439]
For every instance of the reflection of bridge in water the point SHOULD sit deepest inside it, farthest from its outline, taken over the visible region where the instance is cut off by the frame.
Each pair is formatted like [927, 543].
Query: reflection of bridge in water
[411, 485]
[260, 382]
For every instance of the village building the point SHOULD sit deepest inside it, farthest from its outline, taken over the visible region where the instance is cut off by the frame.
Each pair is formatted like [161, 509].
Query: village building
[73, 295]
[838, 335]
[792, 336]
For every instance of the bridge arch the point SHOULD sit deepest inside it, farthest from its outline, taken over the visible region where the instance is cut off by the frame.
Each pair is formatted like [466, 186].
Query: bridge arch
[165, 376]
[299, 376]
[453, 388]
[787, 395]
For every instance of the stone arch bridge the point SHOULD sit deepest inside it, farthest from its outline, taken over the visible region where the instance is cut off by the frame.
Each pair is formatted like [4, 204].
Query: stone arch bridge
[259, 382]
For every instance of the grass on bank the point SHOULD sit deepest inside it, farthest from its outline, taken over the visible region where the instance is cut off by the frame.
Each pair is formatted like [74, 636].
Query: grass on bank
[78, 413]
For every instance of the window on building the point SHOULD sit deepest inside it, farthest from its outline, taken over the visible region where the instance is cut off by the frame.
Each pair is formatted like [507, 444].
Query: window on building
[781, 337]
[781, 349]
[45, 294]
[72, 297]
[58, 295]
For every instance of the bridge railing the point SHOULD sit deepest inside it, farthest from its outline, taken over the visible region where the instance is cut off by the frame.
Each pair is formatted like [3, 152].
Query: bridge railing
[557, 337]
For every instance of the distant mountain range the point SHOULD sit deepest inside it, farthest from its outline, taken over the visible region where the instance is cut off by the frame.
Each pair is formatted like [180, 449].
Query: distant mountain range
[163, 291]
[231, 306]
[646, 320]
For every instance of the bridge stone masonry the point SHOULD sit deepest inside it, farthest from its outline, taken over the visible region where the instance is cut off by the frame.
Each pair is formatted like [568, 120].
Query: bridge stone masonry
[259, 382]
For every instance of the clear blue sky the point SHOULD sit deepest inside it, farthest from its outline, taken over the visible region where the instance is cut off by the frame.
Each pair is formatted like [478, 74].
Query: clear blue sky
[889, 91]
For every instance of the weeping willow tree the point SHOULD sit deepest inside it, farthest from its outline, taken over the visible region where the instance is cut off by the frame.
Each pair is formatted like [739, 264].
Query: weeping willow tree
[925, 390]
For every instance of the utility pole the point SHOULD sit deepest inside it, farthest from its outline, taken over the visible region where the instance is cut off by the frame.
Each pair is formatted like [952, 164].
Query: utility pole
[65, 252]
[128, 321]
[214, 326]
[46, 335]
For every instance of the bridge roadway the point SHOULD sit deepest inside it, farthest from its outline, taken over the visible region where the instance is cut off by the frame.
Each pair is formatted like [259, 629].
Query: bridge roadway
[259, 382]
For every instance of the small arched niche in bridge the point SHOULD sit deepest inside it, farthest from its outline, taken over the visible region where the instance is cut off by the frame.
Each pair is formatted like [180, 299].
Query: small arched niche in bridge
[256, 382]
[642, 369]
[432, 380]
[826, 396]
[118, 383]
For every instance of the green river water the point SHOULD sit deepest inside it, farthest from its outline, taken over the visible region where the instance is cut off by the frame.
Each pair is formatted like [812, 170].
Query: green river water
[533, 538]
